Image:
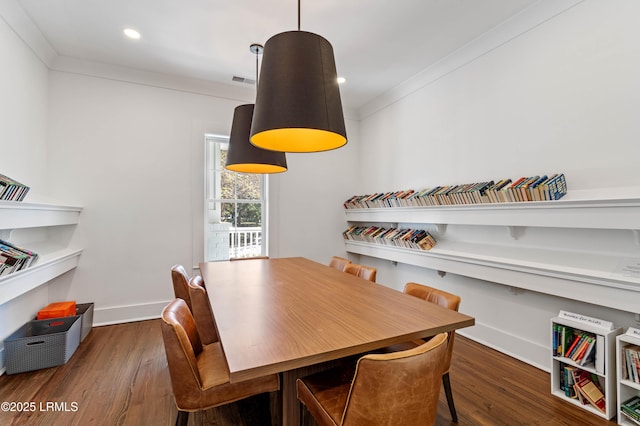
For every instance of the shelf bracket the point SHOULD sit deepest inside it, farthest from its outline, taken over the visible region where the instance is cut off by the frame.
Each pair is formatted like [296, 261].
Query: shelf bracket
[636, 235]
[5, 234]
[441, 228]
[442, 273]
[394, 262]
[516, 291]
[516, 232]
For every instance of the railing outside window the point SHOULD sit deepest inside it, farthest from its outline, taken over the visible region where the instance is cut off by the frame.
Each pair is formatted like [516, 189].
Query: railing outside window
[245, 242]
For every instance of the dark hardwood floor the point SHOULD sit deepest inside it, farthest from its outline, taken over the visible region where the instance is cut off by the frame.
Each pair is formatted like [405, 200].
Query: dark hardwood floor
[118, 376]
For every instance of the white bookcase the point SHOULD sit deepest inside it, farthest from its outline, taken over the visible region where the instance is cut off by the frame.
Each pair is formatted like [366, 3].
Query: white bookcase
[45, 229]
[603, 367]
[626, 388]
[577, 267]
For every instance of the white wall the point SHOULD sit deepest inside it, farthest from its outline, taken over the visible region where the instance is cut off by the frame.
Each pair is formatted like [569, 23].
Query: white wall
[560, 97]
[308, 201]
[23, 148]
[130, 154]
[23, 114]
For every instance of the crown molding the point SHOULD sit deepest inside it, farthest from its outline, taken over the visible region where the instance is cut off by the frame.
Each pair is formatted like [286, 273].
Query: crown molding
[21, 24]
[70, 65]
[521, 23]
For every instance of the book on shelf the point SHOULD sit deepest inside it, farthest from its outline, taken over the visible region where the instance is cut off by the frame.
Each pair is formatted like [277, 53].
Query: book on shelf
[631, 363]
[523, 189]
[588, 356]
[11, 189]
[407, 238]
[572, 379]
[534, 193]
[557, 187]
[495, 189]
[592, 393]
[569, 381]
[14, 258]
[631, 408]
[574, 344]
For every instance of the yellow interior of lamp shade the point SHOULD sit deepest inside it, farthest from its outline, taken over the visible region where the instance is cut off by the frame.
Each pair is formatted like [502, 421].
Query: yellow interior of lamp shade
[298, 140]
[256, 168]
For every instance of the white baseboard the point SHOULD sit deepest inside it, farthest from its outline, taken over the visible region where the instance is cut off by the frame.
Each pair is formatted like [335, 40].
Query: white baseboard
[510, 344]
[127, 313]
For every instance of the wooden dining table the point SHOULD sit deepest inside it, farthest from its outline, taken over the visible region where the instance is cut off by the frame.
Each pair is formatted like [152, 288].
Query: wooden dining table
[294, 316]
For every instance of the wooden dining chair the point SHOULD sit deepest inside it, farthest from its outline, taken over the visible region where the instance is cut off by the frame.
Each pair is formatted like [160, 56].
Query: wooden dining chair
[366, 272]
[400, 388]
[199, 372]
[446, 300]
[201, 311]
[180, 280]
[338, 262]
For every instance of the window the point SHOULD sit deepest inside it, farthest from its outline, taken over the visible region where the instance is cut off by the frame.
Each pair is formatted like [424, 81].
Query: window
[235, 207]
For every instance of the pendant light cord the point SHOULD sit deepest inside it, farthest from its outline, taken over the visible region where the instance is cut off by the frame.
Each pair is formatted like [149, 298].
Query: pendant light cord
[298, 15]
[257, 53]
[256, 49]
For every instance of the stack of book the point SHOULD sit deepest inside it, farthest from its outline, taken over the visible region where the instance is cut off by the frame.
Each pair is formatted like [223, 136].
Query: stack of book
[631, 409]
[631, 363]
[14, 258]
[12, 190]
[584, 386]
[531, 188]
[407, 238]
[579, 346]
[380, 199]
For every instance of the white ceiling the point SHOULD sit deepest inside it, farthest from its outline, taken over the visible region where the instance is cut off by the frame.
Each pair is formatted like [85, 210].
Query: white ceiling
[378, 44]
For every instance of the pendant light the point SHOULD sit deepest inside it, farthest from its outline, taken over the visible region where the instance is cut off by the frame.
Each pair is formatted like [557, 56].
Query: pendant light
[298, 106]
[242, 156]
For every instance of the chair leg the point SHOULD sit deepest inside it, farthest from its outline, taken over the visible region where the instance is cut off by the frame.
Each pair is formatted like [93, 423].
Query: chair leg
[183, 418]
[447, 390]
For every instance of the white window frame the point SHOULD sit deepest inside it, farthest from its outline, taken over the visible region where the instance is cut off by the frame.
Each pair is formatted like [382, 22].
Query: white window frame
[212, 195]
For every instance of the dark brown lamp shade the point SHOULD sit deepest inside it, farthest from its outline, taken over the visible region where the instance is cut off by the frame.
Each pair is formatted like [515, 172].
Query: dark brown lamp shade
[244, 157]
[298, 106]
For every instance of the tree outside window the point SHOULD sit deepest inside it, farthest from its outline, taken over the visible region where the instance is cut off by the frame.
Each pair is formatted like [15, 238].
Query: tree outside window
[236, 206]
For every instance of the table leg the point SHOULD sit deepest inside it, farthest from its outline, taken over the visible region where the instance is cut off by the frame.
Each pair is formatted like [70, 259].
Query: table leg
[291, 407]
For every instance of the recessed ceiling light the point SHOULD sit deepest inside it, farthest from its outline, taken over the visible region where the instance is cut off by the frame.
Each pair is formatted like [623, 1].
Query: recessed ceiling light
[341, 80]
[131, 33]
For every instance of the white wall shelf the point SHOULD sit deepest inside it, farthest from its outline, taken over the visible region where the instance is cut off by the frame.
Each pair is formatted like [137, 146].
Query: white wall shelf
[626, 388]
[537, 270]
[583, 271]
[614, 208]
[28, 215]
[54, 257]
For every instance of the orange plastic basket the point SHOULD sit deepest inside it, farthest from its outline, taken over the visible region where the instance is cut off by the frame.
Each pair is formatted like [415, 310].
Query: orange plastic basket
[57, 310]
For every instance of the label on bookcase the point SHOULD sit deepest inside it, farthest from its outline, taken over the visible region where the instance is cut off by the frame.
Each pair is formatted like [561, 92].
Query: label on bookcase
[633, 332]
[605, 325]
